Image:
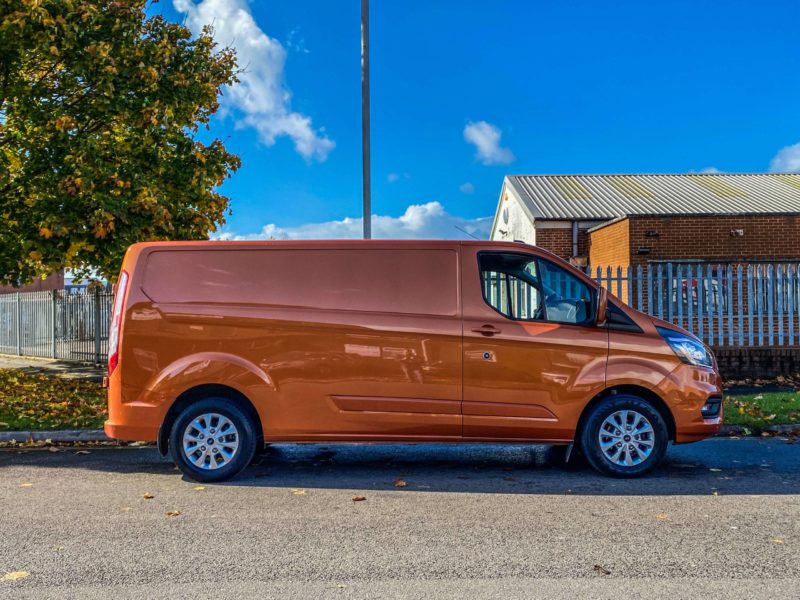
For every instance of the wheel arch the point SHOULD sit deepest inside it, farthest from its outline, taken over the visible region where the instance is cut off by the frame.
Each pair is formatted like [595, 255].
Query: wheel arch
[632, 390]
[200, 392]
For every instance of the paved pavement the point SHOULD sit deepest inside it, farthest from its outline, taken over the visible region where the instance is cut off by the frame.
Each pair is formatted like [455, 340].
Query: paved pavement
[49, 366]
[720, 519]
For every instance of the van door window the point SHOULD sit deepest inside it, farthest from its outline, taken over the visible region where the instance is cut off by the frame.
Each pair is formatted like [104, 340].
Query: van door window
[526, 288]
[510, 285]
[567, 299]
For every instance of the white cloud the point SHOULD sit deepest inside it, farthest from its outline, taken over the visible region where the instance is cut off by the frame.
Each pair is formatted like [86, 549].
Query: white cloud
[787, 160]
[486, 138]
[260, 99]
[467, 187]
[392, 177]
[420, 221]
[710, 171]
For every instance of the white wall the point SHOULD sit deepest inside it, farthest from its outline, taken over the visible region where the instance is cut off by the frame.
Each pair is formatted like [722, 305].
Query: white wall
[513, 222]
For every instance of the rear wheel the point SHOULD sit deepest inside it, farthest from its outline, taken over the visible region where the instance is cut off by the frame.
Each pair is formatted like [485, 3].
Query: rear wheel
[624, 436]
[212, 440]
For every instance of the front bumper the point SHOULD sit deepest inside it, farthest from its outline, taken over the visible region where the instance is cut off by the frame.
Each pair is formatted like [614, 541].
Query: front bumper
[687, 389]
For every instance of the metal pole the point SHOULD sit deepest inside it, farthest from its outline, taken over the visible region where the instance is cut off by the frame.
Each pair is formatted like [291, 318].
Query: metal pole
[367, 208]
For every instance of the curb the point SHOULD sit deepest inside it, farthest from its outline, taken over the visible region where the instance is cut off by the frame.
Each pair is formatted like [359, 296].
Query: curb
[64, 436]
[69, 436]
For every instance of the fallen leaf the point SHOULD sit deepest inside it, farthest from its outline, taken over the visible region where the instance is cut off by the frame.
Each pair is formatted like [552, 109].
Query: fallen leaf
[400, 483]
[53, 449]
[298, 492]
[173, 513]
[662, 517]
[25, 485]
[148, 496]
[778, 541]
[14, 575]
[359, 498]
[715, 493]
[602, 570]
[83, 452]
[199, 487]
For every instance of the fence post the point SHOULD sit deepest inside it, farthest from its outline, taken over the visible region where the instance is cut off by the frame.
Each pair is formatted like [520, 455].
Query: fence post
[700, 299]
[19, 325]
[53, 300]
[770, 305]
[639, 286]
[670, 288]
[679, 294]
[790, 282]
[96, 326]
[689, 300]
[779, 291]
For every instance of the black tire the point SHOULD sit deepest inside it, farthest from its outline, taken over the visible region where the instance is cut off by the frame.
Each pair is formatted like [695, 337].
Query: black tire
[627, 448]
[246, 433]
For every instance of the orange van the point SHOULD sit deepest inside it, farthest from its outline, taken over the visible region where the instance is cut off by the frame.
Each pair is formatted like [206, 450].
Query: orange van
[217, 348]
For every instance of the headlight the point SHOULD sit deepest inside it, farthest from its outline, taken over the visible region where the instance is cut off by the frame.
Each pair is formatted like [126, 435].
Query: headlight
[688, 349]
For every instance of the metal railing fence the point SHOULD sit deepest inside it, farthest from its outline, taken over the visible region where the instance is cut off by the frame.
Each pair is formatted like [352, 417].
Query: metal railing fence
[56, 324]
[724, 305]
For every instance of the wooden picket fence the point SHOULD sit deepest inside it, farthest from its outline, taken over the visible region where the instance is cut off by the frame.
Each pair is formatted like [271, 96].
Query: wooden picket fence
[724, 305]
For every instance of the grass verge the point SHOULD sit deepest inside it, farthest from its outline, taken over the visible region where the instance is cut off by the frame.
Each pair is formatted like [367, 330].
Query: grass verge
[38, 402]
[763, 409]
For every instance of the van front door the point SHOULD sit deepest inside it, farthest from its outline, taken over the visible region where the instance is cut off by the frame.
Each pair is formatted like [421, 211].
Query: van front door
[533, 356]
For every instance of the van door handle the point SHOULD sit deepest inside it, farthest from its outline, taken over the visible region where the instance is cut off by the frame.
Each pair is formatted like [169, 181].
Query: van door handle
[486, 330]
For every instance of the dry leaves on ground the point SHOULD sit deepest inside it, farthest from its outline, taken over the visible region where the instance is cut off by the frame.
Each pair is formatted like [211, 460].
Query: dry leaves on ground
[173, 513]
[14, 575]
[602, 570]
[400, 483]
[34, 401]
[359, 498]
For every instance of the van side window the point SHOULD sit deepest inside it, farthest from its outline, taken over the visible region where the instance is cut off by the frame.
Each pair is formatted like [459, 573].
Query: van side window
[526, 288]
[567, 298]
[510, 285]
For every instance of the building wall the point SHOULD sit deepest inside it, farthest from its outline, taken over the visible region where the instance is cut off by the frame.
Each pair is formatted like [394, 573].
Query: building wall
[773, 238]
[53, 282]
[513, 222]
[767, 237]
[557, 238]
[610, 245]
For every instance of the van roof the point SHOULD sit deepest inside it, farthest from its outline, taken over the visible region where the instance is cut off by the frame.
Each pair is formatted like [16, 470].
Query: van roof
[347, 243]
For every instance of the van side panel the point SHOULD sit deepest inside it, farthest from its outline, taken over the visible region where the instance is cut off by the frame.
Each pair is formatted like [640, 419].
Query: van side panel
[353, 343]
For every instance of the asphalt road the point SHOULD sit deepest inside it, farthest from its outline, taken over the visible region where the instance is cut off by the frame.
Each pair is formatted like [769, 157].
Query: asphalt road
[720, 519]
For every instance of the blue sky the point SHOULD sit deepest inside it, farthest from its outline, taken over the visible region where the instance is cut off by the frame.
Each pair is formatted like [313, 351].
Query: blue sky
[466, 92]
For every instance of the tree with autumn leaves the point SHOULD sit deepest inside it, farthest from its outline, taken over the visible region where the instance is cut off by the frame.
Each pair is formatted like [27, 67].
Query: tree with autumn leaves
[100, 110]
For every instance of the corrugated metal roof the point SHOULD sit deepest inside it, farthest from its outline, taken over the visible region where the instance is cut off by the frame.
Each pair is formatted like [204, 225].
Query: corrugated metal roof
[589, 197]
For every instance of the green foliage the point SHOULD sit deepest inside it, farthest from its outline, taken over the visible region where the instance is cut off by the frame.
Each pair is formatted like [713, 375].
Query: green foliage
[100, 109]
[34, 401]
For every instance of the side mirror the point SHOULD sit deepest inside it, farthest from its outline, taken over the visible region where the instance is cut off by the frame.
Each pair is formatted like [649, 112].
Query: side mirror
[602, 304]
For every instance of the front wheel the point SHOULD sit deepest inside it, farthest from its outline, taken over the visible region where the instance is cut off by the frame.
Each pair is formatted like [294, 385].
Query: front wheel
[624, 436]
[212, 440]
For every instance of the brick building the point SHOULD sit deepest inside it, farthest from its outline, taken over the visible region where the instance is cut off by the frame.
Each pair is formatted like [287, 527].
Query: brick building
[631, 220]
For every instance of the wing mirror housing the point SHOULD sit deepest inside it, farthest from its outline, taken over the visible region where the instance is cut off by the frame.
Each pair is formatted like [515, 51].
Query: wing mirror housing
[602, 305]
